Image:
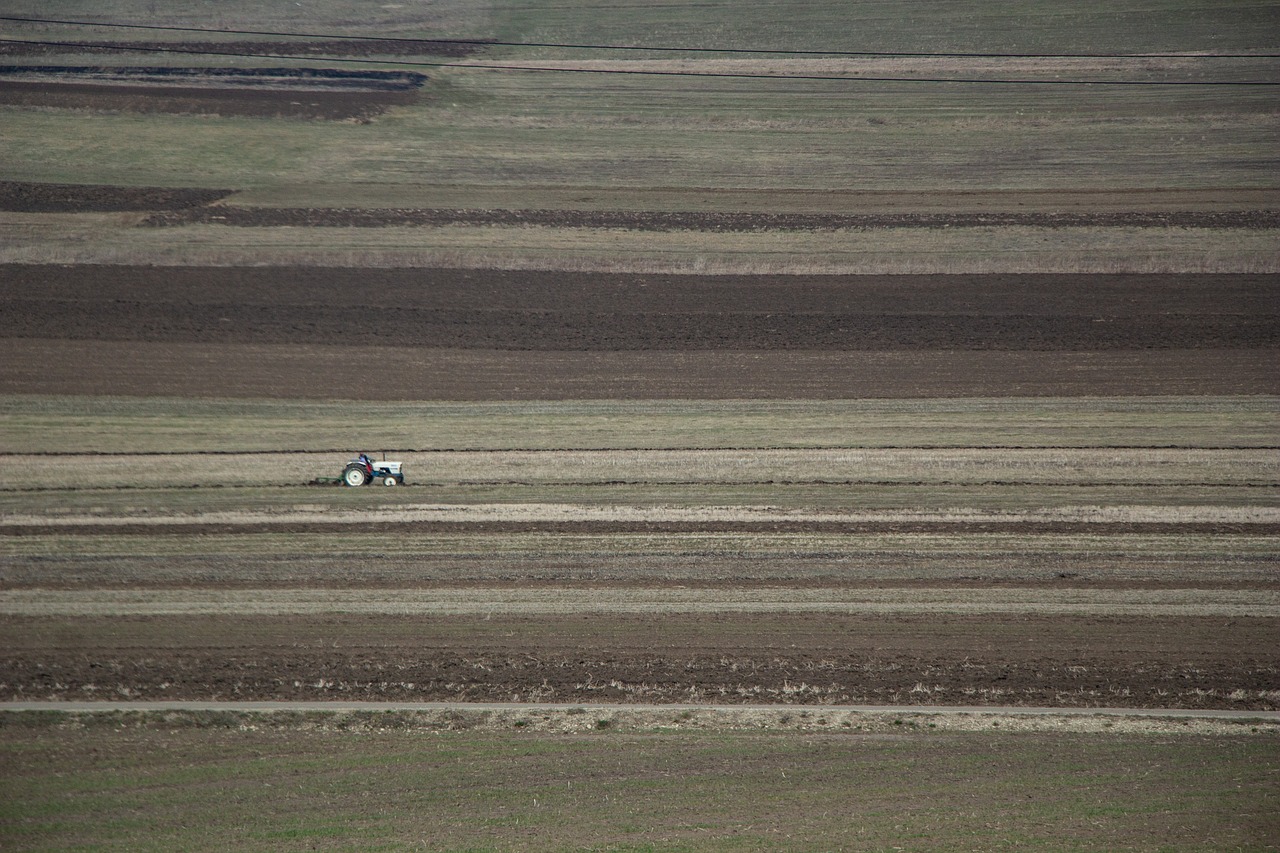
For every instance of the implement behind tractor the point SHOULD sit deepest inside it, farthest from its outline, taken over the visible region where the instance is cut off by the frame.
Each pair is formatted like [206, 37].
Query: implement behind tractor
[363, 471]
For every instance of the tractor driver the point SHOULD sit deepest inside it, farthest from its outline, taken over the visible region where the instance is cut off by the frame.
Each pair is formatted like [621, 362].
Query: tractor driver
[368, 464]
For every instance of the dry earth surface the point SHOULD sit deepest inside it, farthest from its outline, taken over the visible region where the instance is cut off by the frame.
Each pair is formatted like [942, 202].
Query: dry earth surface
[1163, 606]
[659, 591]
[467, 335]
[1158, 606]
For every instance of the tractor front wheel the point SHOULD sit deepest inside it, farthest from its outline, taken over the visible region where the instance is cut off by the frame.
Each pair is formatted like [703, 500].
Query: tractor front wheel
[355, 476]
[389, 481]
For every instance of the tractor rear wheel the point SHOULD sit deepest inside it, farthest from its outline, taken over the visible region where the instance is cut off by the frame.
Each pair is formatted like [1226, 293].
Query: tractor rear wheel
[355, 476]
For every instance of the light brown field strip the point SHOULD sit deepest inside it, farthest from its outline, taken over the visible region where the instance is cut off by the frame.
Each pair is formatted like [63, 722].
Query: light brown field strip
[831, 466]
[642, 600]
[495, 715]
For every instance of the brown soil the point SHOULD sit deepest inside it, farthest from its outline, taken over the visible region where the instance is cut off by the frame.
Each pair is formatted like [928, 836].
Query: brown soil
[27, 197]
[793, 659]
[203, 100]
[556, 312]
[480, 335]
[310, 48]
[703, 221]
[466, 335]
[616, 527]
[321, 372]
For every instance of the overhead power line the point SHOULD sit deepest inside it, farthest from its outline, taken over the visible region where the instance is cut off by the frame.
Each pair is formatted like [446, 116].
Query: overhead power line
[649, 48]
[730, 75]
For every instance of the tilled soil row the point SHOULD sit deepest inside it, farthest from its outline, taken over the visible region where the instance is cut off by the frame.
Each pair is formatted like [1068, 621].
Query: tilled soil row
[565, 312]
[1193, 662]
[728, 222]
[699, 676]
[1096, 297]
[203, 100]
[309, 47]
[319, 372]
[562, 330]
[300, 80]
[28, 197]
[1101, 528]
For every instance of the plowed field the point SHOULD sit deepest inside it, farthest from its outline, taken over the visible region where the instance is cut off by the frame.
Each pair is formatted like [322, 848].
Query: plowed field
[1145, 603]
[1037, 478]
[450, 334]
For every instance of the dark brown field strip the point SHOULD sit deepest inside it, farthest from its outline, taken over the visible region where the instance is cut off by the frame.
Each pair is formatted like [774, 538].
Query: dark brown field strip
[701, 221]
[572, 330]
[300, 80]
[314, 372]
[645, 527]
[309, 47]
[319, 372]
[28, 197]
[111, 578]
[566, 312]
[197, 100]
[532, 291]
[1026, 659]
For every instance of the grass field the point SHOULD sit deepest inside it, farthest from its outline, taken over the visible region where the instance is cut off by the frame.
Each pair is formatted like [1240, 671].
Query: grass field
[112, 239]
[184, 781]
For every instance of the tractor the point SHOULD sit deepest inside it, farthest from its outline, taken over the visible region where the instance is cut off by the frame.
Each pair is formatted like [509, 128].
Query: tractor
[362, 471]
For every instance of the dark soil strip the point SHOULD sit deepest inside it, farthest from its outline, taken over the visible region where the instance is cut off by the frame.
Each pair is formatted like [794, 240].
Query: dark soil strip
[729, 678]
[1096, 297]
[296, 79]
[558, 312]
[801, 659]
[713, 222]
[646, 527]
[200, 100]
[572, 330]
[309, 48]
[274, 371]
[27, 197]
